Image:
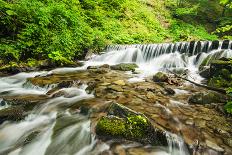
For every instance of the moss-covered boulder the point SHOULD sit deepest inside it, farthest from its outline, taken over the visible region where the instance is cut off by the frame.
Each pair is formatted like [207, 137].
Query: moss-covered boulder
[221, 73]
[124, 123]
[207, 98]
[160, 77]
[221, 67]
[124, 67]
[13, 113]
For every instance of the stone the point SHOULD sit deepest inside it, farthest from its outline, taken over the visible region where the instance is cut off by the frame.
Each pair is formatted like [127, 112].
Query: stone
[115, 88]
[214, 146]
[124, 67]
[207, 98]
[150, 95]
[160, 77]
[169, 91]
[205, 72]
[124, 123]
[120, 82]
[13, 113]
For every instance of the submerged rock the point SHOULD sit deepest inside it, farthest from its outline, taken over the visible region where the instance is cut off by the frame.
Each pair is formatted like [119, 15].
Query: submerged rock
[124, 67]
[124, 123]
[160, 77]
[207, 98]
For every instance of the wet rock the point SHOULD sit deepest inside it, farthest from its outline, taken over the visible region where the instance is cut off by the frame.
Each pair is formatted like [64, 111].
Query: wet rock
[92, 67]
[105, 66]
[205, 72]
[120, 82]
[99, 70]
[115, 88]
[124, 123]
[228, 141]
[124, 67]
[13, 113]
[169, 91]
[150, 95]
[65, 84]
[207, 98]
[221, 67]
[91, 87]
[160, 77]
[214, 146]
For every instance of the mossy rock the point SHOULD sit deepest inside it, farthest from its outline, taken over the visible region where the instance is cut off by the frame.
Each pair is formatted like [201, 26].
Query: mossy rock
[124, 123]
[208, 98]
[14, 113]
[160, 77]
[221, 67]
[209, 59]
[220, 82]
[124, 67]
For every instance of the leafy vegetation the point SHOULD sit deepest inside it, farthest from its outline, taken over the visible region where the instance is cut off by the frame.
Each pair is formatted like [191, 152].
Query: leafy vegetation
[228, 106]
[62, 31]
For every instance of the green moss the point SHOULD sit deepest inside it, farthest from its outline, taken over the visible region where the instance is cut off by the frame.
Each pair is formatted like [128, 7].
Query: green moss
[125, 67]
[138, 126]
[133, 127]
[228, 107]
[111, 126]
[160, 77]
[219, 82]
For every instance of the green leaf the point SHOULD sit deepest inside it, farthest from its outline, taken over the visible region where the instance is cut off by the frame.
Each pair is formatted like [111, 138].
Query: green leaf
[10, 12]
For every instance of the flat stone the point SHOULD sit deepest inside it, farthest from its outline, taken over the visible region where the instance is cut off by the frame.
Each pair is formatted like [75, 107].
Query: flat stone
[214, 146]
[150, 95]
[115, 88]
[120, 82]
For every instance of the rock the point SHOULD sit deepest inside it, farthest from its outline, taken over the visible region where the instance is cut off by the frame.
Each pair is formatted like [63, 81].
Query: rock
[99, 70]
[120, 82]
[13, 113]
[207, 98]
[124, 67]
[92, 67]
[150, 95]
[91, 87]
[65, 84]
[205, 72]
[160, 77]
[169, 91]
[105, 66]
[214, 146]
[221, 67]
[115, 88]
[124, 123]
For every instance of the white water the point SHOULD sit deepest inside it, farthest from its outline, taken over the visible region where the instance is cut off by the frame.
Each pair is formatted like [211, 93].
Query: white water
[43, 120]
[77, 138]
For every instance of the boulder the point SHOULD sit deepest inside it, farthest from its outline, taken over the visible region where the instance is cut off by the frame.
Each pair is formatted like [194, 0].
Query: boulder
[124, 123]
[160, 77]
[207, 98]
[124, 67]
[13, 113]
[221, 67]
[205, 72]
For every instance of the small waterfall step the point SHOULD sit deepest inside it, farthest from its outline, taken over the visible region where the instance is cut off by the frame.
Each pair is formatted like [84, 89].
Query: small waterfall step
[191, 48]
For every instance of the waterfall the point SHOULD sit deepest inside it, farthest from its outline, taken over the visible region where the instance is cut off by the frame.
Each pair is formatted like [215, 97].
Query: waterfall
[150, 51]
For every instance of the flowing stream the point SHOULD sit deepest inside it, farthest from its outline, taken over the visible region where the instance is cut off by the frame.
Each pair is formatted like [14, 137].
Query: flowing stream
[52, 129]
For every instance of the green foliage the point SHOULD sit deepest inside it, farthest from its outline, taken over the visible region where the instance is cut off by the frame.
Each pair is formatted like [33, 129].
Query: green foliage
[183, 31]
[228, 106]
[64, 30]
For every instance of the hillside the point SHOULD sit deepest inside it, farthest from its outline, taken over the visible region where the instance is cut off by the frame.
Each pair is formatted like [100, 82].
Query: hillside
[65, 30]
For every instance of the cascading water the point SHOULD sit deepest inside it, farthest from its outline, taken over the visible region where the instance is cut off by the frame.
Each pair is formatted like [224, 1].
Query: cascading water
[52, 129]
[152, 58]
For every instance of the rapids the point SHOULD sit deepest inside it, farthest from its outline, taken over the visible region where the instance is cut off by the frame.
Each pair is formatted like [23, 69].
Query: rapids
[52, 128]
